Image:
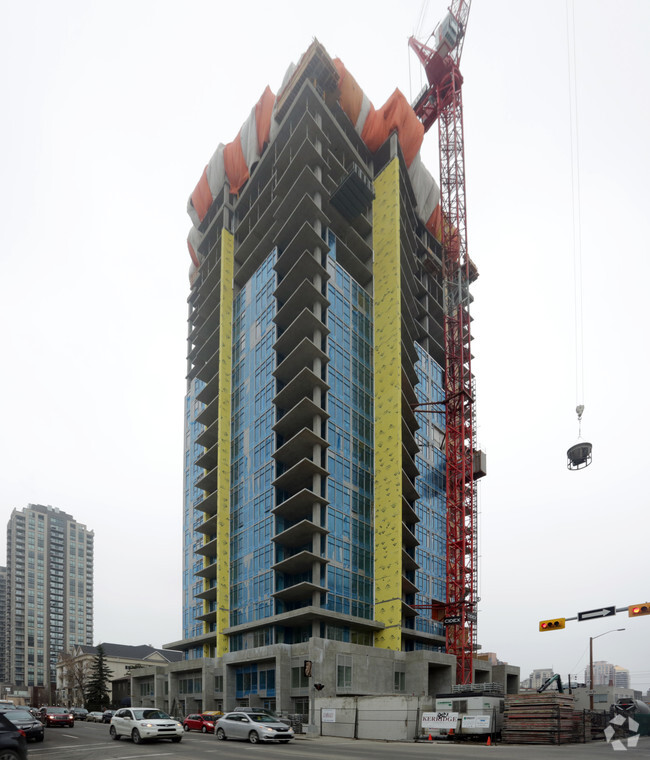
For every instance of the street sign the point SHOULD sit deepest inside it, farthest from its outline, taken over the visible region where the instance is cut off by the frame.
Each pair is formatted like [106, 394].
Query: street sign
[456, 619]
[601, 612]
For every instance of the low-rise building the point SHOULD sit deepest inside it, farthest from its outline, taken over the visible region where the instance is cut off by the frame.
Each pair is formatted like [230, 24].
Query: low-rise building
[604, 697]
[285, 677]
[73, 668]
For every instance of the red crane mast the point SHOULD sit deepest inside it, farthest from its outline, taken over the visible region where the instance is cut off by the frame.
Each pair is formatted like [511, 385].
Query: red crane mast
[441, 101]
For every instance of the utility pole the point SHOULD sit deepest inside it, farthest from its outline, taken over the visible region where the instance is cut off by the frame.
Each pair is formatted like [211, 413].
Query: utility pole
[591, 664]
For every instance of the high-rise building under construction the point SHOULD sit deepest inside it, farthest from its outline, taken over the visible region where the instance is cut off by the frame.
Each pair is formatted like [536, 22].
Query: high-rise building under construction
[315, 469]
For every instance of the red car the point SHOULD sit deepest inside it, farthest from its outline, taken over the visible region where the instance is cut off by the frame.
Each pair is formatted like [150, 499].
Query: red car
[196, 722]
[57, 716]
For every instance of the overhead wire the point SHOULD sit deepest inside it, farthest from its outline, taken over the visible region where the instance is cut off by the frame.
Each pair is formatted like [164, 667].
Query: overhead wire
[417, 33]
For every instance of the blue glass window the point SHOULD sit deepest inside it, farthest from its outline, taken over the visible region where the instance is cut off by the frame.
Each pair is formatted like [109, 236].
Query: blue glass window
[350, 434]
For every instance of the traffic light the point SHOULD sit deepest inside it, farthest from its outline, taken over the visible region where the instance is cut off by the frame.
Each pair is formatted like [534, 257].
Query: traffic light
[636, 610]
[552, 625]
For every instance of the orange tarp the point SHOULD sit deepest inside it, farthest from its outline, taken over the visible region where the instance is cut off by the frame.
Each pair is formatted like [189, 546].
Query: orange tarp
[202, 197]
[263, 112]
[235, 165]
[351, 97]
[395, 114]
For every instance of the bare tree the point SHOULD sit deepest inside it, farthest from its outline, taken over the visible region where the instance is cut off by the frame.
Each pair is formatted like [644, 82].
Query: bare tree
[75, 674]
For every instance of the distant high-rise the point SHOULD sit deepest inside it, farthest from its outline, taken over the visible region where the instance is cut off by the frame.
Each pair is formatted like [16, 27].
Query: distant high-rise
[49, 600]
[621, 677]
[3, 624]
[603, 674]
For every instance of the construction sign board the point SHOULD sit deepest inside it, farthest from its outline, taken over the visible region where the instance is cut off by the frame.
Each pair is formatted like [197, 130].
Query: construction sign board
[476, 721]
[433, 721]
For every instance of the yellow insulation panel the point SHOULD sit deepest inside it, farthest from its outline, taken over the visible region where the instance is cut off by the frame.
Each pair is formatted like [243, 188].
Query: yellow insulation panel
[223, 452]
[388, 402]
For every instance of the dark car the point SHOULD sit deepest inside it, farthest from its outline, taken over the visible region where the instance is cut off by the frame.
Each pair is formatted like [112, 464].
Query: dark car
[79, 713]
[13, 744]
[106, 717]
[57, 716]
[198, 722]
[25, 721]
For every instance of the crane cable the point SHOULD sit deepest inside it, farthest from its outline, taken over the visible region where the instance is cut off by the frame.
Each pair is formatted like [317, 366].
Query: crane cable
[576, 211]
[418, 30]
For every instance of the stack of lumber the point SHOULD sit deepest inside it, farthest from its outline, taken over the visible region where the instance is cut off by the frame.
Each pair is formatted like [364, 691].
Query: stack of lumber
[545, 718]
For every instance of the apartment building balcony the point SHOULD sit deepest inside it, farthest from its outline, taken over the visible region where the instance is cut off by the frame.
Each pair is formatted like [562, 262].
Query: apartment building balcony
[208, 549]
[299, 476]
[209, 594]
[207, 505]
[299, 505]
[209, 481]
[299, 534]
[301, 562]
[298, 591]
[299, 387]
[209, 436]
[301, 357]
[294, 449]
[209, 570]
[300, 416]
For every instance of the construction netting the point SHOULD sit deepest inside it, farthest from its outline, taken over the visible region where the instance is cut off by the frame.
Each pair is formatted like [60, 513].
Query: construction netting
[232, 164]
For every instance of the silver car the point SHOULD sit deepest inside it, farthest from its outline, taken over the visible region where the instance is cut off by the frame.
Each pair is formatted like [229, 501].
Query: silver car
[256, 727]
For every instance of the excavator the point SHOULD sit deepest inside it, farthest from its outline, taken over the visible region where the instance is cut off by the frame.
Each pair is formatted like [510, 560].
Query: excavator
[549, 681]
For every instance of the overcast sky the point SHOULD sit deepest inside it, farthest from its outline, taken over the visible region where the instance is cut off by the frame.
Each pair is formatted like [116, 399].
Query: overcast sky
[110, 112]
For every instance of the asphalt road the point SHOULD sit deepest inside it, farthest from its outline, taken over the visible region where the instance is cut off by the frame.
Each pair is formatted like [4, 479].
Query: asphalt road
[91, 741]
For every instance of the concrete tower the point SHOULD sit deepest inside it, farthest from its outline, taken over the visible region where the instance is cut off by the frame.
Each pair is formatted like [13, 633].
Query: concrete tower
[49, 592]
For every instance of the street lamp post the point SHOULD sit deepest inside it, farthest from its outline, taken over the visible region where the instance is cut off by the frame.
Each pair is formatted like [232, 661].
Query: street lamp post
[591, 664]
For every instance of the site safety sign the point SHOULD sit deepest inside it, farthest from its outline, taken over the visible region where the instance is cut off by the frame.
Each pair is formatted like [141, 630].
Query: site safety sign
[439, 720]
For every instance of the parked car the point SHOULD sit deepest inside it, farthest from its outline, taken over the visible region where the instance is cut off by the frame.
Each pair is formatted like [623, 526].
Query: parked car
[142, 723]
[79, 713]
[25, 721]
[213, 715]
[13, 744]
[95, 717]
[202, 723]
[262, 711]
[107, 715]
[256, 727]
[57, 716]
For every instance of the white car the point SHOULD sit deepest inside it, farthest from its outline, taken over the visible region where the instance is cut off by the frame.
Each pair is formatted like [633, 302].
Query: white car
[142, 723]
[256, 727]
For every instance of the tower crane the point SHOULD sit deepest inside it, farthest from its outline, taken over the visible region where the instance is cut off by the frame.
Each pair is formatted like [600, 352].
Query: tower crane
[441, 101]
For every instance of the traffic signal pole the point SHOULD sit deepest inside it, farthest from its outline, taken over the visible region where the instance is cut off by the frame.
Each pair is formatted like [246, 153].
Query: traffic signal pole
[633, 610]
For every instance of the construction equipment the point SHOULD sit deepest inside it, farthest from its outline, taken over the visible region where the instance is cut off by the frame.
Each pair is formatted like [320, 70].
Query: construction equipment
[553, 679]
[441, 101]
